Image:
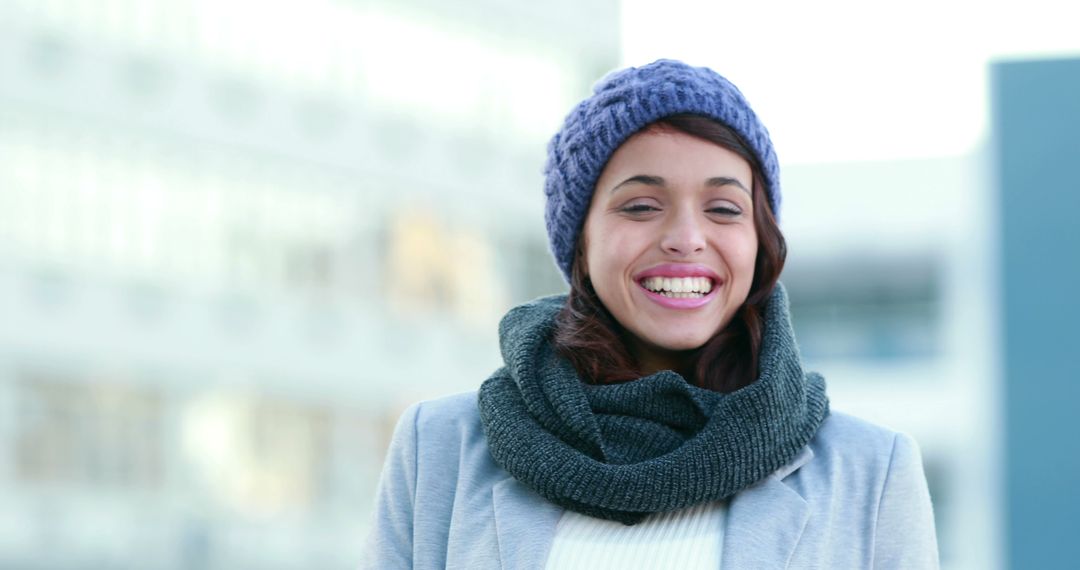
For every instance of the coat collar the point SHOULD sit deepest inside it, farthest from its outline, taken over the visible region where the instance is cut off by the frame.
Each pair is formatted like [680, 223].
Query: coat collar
[764, 522]
[525, 524]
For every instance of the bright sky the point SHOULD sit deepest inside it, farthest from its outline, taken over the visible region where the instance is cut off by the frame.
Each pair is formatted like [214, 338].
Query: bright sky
[852, 80]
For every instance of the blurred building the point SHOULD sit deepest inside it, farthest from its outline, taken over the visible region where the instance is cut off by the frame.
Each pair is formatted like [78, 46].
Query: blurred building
[235, 238]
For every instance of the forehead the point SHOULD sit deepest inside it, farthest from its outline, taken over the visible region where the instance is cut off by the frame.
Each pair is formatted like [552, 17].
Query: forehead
[672, 154]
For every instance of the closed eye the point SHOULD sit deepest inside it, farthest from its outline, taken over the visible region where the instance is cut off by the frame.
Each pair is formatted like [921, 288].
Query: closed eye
[725, 210]
[638, 209]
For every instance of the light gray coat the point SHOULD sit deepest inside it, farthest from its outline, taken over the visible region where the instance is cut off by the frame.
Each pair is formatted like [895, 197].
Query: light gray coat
[855, 497]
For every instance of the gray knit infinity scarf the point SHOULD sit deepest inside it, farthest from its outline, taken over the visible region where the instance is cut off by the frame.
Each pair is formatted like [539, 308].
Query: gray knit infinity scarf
[658, 443]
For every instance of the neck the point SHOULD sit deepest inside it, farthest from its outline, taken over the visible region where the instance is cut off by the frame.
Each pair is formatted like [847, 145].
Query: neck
[653, 359]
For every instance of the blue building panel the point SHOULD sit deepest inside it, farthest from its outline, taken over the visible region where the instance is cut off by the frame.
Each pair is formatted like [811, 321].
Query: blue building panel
[1036, 130]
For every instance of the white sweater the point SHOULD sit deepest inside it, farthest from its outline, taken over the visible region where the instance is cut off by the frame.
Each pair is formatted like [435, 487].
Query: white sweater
[686, 539]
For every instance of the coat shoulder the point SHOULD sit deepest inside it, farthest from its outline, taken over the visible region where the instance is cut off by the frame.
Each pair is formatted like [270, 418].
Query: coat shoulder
[449, 427]
[843, 430]
[848, 446]
[866, 480]
[455, 410]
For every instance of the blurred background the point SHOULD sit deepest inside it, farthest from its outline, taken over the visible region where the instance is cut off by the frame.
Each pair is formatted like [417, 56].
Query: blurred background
[238, 237]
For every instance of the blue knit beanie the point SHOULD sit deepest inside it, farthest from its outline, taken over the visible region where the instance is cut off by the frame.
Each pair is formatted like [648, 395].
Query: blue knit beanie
[622, 104]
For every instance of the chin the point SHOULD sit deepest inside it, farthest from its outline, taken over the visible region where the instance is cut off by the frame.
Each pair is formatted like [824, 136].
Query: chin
[682, 344]
[689, 336]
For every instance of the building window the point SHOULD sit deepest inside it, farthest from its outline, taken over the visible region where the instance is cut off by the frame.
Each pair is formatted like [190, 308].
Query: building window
[866, 310]
[72, 432]
[259, 454]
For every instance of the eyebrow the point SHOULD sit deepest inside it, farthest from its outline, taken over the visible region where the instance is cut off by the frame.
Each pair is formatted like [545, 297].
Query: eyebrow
[649, 180]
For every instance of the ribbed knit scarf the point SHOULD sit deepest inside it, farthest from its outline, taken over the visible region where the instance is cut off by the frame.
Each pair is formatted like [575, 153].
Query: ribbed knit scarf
[658, 443]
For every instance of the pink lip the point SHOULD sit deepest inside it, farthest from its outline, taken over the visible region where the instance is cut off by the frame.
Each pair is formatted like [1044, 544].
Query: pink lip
[679, 270]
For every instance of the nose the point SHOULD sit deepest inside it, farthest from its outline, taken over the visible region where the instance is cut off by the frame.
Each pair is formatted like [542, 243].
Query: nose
[682, 234]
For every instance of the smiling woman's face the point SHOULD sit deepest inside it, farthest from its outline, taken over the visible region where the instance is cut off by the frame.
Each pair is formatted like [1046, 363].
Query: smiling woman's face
[670, 243]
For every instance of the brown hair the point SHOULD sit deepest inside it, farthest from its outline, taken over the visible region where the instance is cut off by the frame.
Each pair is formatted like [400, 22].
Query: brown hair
[589, 337]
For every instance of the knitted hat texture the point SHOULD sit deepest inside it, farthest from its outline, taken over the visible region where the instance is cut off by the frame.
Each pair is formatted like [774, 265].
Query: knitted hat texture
[622, 104]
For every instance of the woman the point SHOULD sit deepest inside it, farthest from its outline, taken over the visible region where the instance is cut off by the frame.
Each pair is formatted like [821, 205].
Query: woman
[658, 415]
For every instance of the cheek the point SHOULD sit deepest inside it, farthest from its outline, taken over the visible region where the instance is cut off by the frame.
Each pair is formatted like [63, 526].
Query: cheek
[602, 260]
[742, 250]
[608, 255]
[610, 260]
[749, 253]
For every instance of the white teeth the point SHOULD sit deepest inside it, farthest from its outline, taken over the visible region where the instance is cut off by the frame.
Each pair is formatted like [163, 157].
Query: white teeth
[678, 287]
[682, 295]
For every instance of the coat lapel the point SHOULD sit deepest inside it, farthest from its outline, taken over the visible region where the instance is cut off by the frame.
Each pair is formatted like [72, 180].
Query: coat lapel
[765, 521]
[524, 523]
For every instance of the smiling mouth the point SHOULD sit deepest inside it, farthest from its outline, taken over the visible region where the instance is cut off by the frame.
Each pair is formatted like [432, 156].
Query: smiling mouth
[678, 287]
